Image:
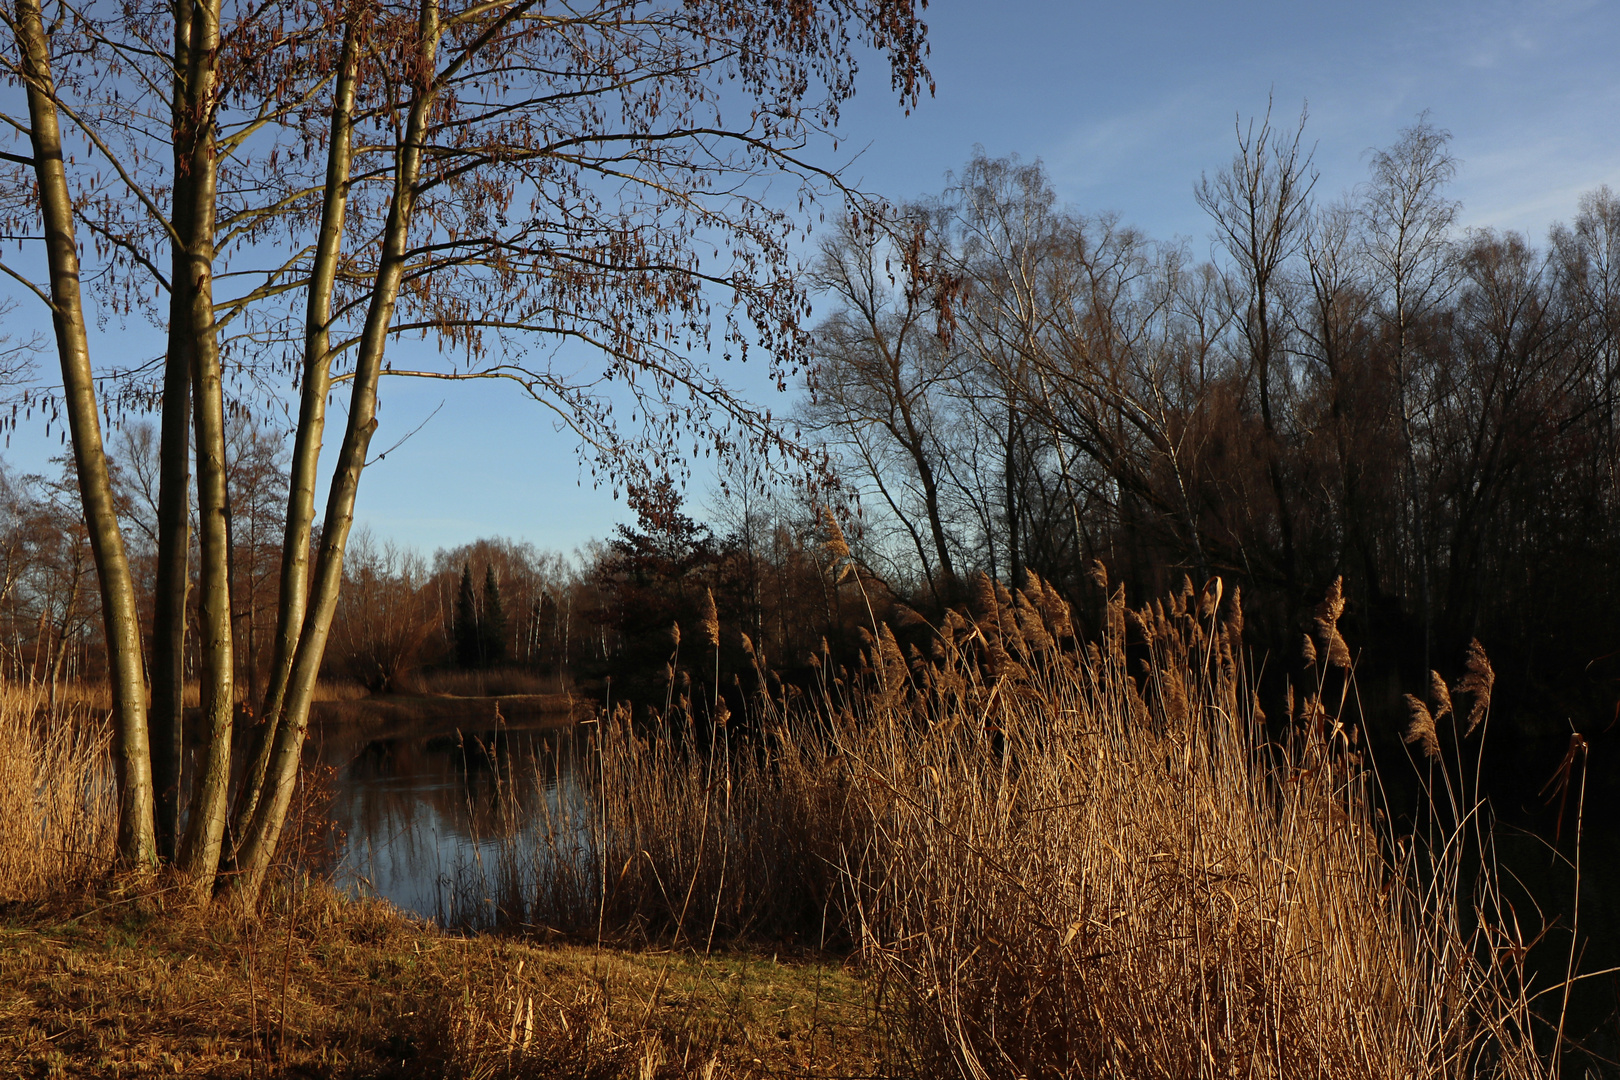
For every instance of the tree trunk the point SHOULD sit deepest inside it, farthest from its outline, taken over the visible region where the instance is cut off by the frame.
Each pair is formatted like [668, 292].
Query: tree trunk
[68, 607]
[1263, 354]
[174, 509]
[192, 306]
[264, 831]
[131, 751]
[317, 383]
[173, 575]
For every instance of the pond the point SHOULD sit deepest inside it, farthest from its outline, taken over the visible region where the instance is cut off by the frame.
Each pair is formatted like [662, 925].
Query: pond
[452, 818]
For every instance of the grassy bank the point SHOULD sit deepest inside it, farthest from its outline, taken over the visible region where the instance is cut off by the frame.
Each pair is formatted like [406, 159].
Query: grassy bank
[99, 979]
[317, 985]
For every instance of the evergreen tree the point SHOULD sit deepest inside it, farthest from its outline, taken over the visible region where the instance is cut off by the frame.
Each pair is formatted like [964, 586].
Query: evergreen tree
[466, 625]
[492, 627]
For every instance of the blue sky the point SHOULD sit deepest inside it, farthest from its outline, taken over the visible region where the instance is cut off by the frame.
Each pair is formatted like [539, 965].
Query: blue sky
[1127, 105]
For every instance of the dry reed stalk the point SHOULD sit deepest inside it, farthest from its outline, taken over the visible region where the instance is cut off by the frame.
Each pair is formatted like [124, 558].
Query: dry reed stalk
[1420, 728]
[57, 802]
[1109, 897]
[1477, 681]
[1327, 625]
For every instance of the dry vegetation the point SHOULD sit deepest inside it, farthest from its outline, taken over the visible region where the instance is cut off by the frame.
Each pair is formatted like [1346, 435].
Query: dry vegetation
[57, 804]
[1065, 869]
[314, 984]
[1049, 858]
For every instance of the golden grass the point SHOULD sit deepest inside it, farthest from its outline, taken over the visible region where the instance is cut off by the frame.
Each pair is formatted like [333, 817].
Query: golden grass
[1050, 858]
[1131, 885]
[494, 683]
[57, 803]
[314, 984]
[338, 690]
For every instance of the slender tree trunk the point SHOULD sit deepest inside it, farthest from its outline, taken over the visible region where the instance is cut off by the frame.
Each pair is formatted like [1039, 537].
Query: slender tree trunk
[264, 830]
[196, 186]
[68, 608]
[1279, 489]
[1015, 554]
[137, 846]
[252, 649]
[174, 510]
[169, 604]
[317, 383]
[916, 446]
[1419, 535]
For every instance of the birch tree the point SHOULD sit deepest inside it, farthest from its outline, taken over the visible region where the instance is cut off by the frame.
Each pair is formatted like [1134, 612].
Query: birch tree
[1407, 221]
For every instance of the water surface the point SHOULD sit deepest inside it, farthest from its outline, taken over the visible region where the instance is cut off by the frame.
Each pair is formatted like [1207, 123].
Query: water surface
[444, 816]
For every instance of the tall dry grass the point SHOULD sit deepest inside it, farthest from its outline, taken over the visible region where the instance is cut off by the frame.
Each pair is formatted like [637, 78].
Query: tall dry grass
[1133, 883]
[1069, 860]
[57, 803]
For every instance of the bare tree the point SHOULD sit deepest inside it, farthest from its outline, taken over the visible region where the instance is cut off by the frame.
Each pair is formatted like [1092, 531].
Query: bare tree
[1589, 273]
[1260, 204]
[881, 365]
[1406, 222]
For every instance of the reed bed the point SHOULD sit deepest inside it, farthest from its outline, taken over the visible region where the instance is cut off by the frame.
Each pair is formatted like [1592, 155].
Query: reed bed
[57, 801]
[1067, 860]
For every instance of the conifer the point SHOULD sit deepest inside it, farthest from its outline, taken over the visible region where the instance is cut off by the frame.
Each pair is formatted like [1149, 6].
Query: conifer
[466, 624]
[492, 624]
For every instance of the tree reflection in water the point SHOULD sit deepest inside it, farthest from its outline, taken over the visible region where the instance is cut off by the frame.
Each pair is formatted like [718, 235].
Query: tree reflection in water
[456, 825]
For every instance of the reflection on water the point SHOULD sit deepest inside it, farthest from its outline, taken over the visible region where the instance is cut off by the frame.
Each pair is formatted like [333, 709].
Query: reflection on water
[449, 822]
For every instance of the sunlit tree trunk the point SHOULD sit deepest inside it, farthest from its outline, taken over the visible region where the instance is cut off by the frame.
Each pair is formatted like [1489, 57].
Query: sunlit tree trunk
[192, 308]
[264, 829]
[317, 383]
[132, 754]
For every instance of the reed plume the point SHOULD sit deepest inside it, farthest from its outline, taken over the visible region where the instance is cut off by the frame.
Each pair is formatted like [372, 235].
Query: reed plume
[1327, 625]
[1440, 696]
[1420, 728]
[1477, 682]
[709, 621]
[836, 545]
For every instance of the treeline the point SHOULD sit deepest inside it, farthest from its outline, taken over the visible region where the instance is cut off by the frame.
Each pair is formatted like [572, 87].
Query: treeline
[665, 609]
[1353, 386]
[405, 618]
[400, 613]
